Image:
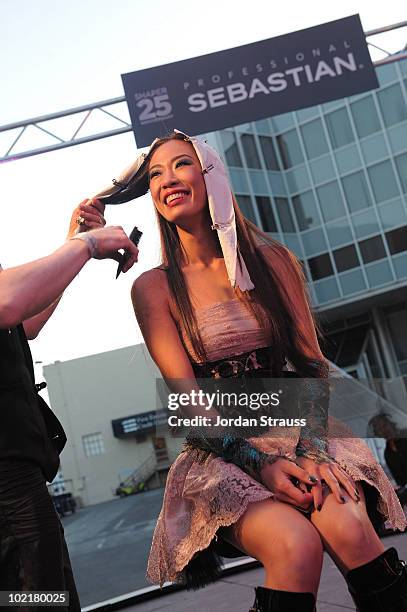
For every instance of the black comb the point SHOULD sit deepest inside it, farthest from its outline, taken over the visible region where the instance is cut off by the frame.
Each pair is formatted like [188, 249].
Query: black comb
[135, 238]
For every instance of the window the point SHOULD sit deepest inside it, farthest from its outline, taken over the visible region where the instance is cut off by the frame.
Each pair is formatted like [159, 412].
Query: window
[231, 150]
[93, 444]
[245, 205]
[365, 117]
[356, 191]
[339, 128]
[346, 258]
[305, 210]
[392, 104]
[290, 149]
[372, 249]
[285, 215]
[314, 138]
[331, 202]
[397, 240]
[401, 163]
[320, 266]
[266, 214]
[383, 181]
[269, 153]
[250, 151]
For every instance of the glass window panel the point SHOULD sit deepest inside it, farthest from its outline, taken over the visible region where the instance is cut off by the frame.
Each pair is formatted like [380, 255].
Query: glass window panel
[397, 240]
[290, 149]
[269, 153]
[258, 181]
[346, 258]
[379, 274]
[386, 73]
[339, 128]
[322, 169]
[383, 181]
[400, 265]
[278, 186]
[356, 191]
[239, 180]
[392, 104]
[398, 137]
[266, 214]
[331, 202]
[374, 148]
[352, 282]
[320, 266]
[283, 122]
[285, 214]
[348, 159]
[263, 126]
[326, 290]
[365, 223]
[339, 233]
[314, 242]
[306, 211]
[372, 249]
[314, 138]
[230, 149]
[307, 113]
[250, 151]
[401, 164]
[297, 179]
[246, 206]
[392, 214]
[365, 117]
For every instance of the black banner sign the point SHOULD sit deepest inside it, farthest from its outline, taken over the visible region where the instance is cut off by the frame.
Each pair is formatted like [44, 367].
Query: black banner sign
[250, 82]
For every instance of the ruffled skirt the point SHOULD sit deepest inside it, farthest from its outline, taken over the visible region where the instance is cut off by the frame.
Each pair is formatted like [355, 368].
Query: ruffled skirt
[204, 493]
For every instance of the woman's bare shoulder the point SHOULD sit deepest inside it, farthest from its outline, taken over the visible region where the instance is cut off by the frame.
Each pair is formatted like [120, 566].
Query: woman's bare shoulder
[151, 286]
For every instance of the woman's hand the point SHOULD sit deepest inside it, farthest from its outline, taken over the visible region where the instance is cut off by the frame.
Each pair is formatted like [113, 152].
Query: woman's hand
[86, 216]
[280, 476]
[336, 479]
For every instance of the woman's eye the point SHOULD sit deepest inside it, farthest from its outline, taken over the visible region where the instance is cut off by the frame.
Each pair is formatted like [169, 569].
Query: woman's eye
[183, 162]
[153, 174]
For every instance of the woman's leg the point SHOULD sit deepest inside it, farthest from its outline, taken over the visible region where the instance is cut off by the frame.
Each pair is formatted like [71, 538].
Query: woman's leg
[284, 541]
[377, 579]
[346, 531]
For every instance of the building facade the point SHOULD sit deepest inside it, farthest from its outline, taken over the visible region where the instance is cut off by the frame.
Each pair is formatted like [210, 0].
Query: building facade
[105, 403]
[330, 182]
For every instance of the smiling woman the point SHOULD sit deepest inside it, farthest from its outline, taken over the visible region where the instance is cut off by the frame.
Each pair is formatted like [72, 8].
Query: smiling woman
[229, 303]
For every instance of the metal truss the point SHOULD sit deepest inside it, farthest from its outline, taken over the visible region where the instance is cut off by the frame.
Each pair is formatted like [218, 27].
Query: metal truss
[54, 124]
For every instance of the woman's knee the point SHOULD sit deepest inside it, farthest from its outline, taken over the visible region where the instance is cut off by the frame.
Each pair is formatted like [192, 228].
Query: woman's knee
[345, 526]
[272, 531]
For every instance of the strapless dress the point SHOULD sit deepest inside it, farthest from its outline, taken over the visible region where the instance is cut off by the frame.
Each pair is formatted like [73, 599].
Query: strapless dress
[202, 496]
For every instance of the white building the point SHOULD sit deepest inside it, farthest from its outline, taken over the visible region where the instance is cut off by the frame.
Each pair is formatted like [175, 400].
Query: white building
[105, 403]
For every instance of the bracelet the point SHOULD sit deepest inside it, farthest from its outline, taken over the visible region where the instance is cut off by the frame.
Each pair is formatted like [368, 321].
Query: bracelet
[90, 242]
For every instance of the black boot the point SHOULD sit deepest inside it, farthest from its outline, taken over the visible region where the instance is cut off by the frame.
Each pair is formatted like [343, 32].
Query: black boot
[380, 585]
[270, 600]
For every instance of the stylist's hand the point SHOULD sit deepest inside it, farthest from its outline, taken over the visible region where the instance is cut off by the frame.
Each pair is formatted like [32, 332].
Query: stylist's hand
[278, 477]
[88, 215]
[110, 240]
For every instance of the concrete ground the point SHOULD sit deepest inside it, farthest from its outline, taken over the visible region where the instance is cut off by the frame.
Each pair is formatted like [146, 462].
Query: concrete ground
[234, 593]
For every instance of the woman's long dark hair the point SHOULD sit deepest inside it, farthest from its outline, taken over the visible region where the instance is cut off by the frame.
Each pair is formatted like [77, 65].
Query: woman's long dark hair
[279, 287]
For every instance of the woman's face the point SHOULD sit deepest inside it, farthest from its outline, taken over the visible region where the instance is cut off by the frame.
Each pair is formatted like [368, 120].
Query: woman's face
[176, 182]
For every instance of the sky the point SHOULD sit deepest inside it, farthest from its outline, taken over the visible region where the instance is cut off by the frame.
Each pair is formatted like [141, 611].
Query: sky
[56, 55]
